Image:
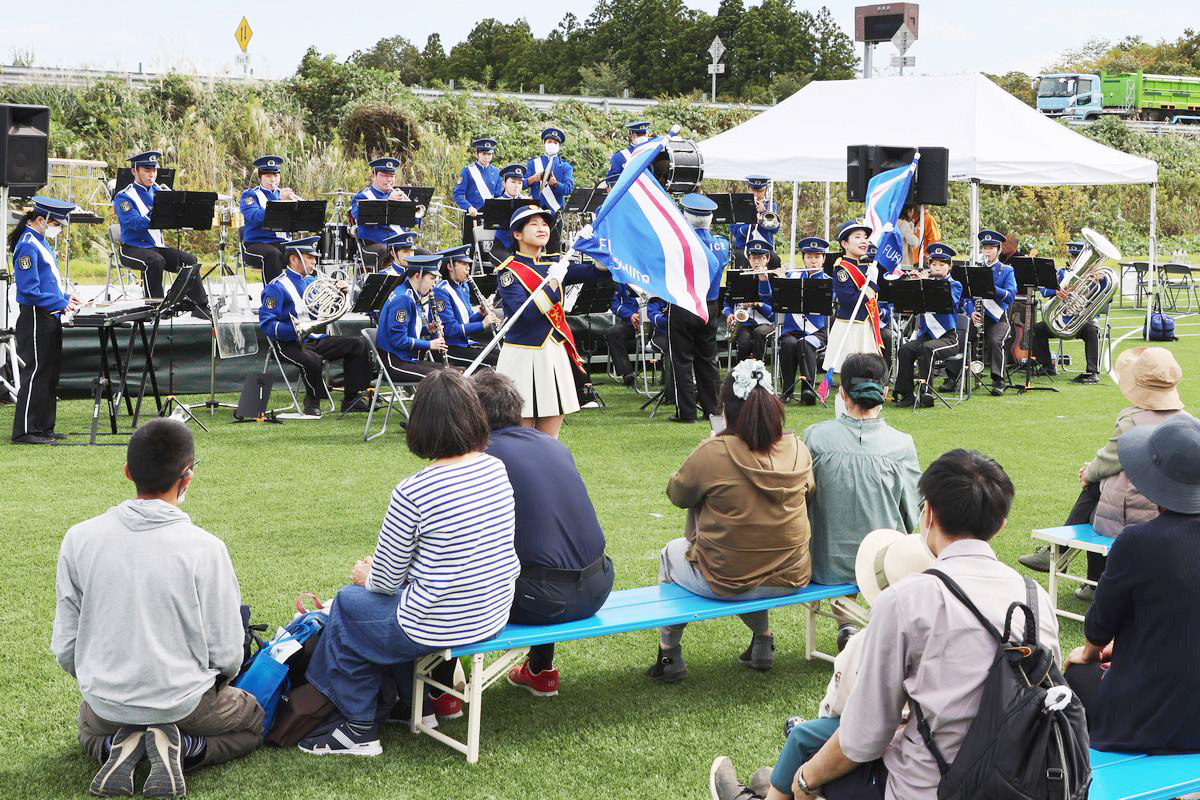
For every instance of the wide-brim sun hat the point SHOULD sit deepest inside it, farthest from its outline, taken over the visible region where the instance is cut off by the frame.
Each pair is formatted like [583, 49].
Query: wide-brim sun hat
[885, 557]
[1162, 462]
[1149, 378]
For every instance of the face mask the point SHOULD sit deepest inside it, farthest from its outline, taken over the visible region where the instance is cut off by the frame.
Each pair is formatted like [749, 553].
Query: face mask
[640, 139]
[551, 148]
[52, 231]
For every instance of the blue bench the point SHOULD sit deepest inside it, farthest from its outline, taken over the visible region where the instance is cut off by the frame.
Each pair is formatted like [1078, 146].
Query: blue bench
[1125, 776]
[625, 611]
[1072, 537]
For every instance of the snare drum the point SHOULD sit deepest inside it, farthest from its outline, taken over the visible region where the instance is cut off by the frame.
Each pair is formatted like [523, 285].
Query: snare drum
[335, 242]
[679, 167]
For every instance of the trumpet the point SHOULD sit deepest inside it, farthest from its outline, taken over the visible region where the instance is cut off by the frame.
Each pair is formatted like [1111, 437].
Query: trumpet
[769, 222]
[162, 187]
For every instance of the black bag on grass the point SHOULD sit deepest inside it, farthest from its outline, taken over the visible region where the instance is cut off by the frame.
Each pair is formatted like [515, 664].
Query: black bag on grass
[1029, 738]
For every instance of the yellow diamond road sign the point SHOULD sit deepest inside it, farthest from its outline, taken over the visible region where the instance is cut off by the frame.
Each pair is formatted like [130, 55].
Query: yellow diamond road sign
[243, 34]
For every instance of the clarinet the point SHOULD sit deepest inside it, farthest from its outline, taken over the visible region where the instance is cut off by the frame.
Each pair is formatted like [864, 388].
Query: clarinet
[435, 329]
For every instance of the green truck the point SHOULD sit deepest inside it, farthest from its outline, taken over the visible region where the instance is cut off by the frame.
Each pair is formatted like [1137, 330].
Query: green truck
[1130, 95]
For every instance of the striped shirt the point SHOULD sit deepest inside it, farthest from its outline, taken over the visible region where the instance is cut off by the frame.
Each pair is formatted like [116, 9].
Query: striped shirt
[446, 546]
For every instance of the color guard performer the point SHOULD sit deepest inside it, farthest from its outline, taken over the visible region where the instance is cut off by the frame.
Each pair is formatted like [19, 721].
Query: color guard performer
[639, 134]
[741, 233]
[935, 333]
[477, 182]
[460, 320]
[802, 335]
[142, 248]
[850, 274]
[371, 238]
[264, 249]
[41, 302]
[1089, 333]
[407, 324]
[283, 305]
[692, 342]
[750, 336]
[994, 314]
[539, 349]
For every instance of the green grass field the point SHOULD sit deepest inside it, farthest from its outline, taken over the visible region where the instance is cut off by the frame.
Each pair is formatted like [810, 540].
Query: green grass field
[298, 503]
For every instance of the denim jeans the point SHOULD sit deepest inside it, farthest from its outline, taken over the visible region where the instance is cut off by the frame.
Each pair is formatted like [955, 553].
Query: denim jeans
[802, 744]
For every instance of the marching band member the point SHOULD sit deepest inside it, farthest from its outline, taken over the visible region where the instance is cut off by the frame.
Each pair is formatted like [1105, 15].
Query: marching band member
[656, 315]
[751, 336]
[283, 306]
[400, 247]
[539, 349]
[559, 183]
[41, 301]
[1089, 333]
[935, 333]
[142, 248]
[477, 182]
[622, 334]
[371, 238]
[994, 314]
[741, 233]
[639, 134]
[512, 180]
[266, 247]
[405, 332]
[802, 335]
[692, 342]
[849, 277]
[452, 304]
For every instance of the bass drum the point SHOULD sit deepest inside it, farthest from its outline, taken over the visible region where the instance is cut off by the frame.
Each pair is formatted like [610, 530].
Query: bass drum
[335, 243]
[679, 167]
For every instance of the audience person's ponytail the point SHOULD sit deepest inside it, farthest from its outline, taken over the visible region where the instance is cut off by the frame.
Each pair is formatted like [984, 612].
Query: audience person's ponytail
[758, 419]
[863, 376]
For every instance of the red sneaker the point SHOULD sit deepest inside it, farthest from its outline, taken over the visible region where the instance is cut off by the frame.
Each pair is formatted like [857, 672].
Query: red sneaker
[539, 684]
[447, 706]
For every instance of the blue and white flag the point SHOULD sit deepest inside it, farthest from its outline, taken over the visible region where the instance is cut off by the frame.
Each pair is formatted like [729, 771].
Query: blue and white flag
[641, 236]
[886, 194]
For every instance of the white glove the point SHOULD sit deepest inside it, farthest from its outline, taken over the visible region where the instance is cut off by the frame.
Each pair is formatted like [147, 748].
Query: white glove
[558, 271]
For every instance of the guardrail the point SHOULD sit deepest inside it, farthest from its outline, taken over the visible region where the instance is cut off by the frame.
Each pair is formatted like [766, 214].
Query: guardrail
[29, 76]
[1145, 126]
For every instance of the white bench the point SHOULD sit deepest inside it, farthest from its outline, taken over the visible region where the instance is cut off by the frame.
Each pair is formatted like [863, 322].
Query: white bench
[1075, 537]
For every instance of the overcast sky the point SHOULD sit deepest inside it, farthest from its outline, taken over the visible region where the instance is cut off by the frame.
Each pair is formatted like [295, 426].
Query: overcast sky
[955, 35]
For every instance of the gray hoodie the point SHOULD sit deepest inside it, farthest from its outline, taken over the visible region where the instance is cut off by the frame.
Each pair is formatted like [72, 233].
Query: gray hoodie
[147, 612]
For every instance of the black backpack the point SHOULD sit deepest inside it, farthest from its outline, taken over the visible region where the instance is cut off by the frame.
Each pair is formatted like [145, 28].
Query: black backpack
[1017, 747]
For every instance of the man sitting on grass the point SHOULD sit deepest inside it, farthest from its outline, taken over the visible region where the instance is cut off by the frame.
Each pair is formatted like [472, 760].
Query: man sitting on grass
[148, 623]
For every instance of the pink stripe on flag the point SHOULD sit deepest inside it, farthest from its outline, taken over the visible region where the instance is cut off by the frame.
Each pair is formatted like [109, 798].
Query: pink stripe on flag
[689, 275]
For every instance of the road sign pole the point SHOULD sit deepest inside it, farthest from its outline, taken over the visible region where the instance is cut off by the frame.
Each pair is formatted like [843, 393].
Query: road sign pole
[714, 87]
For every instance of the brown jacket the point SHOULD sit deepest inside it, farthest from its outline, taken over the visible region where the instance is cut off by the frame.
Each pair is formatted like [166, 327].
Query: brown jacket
[747, 512]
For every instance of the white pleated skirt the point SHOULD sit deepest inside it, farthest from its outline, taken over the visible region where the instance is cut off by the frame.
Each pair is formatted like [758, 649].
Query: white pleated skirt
[860, 340]
[543, 376]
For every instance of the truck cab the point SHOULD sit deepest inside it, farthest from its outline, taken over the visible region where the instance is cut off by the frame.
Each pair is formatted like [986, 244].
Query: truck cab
[1073, 96]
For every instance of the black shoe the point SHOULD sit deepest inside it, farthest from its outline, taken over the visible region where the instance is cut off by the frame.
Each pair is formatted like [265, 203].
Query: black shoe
[670, 666]
[845, 631]
[949, 385]
[786, 397]
[760, 655]
[808, 397]
[312, 408]
[356, 404]
[629, 380]
[902, 399]
[115, 778]
[677, 418]
[34, 438]
[1085, 593]
[56, 435]
[164, 750]
[1086, 377]
[997, 388]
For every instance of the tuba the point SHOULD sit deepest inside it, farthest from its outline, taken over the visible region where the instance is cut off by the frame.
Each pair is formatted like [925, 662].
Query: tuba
[1089, 286]
[325, 302]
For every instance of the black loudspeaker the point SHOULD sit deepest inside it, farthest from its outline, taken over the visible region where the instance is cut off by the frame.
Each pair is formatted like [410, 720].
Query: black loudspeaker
[24, 148]
[930, 187]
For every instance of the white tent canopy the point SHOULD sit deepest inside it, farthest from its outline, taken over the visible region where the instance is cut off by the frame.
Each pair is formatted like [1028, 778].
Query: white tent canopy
[992, 136]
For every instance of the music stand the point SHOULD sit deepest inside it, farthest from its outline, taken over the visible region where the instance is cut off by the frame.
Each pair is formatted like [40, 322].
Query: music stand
[421, 195]
[255, 398]
[498, 211]
[181, 210]
[1033, 274]
[376, 289]
[387, 213]
[585, 201]
[593, 298]
[742, 287]
[734, 208]
[977, 284]
[830, 265]
[798, 296]
[920, 296]
[293, 216]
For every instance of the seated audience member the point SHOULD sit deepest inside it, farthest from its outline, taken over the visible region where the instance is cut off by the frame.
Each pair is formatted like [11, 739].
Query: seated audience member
[884, 559]
[565, 575]
[148, 623]
[746, 491]
[922, 645]
[1148, 377]
[1146, 697]
[866, 476]
[442, 573]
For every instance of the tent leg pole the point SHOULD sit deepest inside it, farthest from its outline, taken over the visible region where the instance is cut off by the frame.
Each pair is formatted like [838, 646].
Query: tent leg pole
[827, 211]
[792, 240]
[1152, 272]
[974, 198]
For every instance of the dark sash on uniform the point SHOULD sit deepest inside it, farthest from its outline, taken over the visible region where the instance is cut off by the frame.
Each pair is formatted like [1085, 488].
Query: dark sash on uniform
[860, 280]
[557, 318]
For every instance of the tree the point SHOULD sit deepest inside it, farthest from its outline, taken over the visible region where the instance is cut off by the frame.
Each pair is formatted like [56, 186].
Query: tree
[433, 59]
[1018, 84]
[604, 79]
[392, 54]
[833, 56]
